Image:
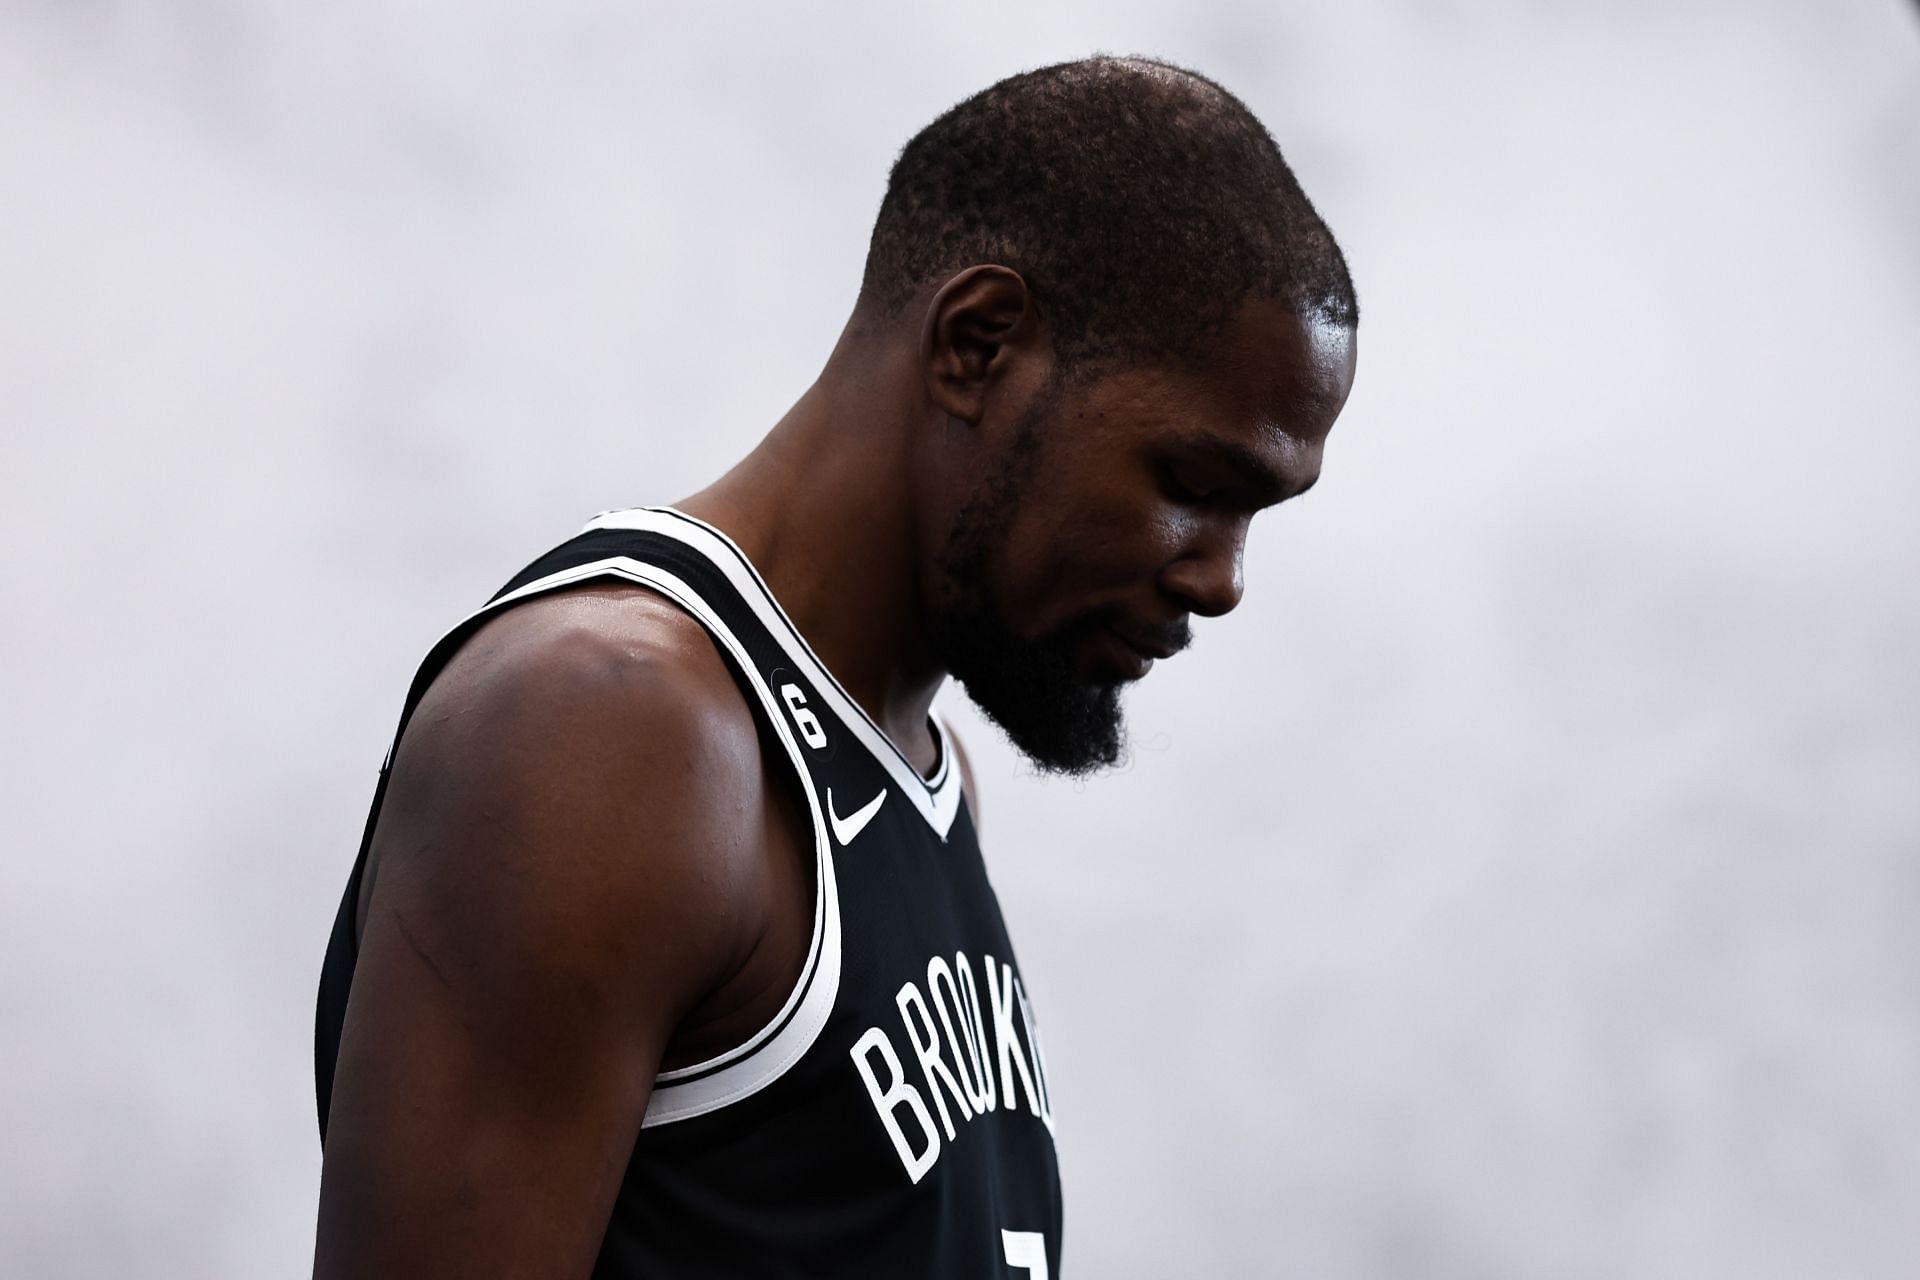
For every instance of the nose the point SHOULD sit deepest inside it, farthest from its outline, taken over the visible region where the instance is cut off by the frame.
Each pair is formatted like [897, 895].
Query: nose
[1206, 579]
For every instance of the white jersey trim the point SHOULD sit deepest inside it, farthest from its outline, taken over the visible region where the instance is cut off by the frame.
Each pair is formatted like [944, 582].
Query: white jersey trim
[749, 1067]
[937, 798]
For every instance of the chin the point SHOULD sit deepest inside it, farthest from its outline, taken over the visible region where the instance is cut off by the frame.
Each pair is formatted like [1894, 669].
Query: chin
[1057, 698]
[1072, 727]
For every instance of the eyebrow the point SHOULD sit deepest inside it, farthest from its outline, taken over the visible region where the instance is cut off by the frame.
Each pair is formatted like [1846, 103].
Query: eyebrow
[1265, 485]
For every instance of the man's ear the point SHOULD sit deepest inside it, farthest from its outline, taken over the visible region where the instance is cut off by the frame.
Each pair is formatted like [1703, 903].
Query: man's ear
[978, 327]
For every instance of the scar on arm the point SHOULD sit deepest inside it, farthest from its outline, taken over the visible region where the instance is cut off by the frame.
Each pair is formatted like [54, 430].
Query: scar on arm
[418, 950]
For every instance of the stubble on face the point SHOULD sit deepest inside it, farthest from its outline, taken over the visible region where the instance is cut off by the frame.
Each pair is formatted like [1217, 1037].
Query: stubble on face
[1064, 723]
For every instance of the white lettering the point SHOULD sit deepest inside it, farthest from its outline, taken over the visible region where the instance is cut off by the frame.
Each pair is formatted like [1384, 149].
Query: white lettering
[1026, 1251]
[1000, 994]
[976, 1027]
[926, 1047]
[946, 1003]
[970, 1054]
[1039, 1058]
[896, 1094]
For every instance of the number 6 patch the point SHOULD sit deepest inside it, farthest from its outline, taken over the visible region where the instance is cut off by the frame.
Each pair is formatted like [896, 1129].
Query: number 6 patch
[808, 723]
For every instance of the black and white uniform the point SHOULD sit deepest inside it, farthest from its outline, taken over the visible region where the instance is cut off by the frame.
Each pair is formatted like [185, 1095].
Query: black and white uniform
[893, 1120]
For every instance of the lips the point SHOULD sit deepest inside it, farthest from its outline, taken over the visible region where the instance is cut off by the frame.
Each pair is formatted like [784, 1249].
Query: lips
[1145, 646]
[1132, 654]
[1149, 651]
[1127, 660]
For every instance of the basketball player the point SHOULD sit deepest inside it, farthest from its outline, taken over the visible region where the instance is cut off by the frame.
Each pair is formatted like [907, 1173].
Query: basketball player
[669, 950]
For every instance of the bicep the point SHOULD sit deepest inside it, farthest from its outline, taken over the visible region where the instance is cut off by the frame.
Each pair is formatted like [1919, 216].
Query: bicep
[478, 1120]
[546, 911]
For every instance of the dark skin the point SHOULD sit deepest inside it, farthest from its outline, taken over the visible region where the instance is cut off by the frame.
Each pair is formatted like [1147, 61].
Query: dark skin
[587, 871]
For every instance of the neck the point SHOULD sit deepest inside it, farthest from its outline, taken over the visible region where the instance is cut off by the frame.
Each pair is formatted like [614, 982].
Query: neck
[821, 507]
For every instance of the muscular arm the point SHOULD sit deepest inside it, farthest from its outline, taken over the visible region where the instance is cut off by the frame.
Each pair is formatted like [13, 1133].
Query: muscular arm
[566, 864]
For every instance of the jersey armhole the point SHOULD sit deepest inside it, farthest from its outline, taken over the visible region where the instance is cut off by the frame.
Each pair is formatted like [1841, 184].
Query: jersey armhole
[771, 1051]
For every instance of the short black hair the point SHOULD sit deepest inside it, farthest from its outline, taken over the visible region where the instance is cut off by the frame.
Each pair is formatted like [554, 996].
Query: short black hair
[1141, 201]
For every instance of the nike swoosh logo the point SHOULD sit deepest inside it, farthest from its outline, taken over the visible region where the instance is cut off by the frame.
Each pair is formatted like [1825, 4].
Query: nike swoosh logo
[845, 829]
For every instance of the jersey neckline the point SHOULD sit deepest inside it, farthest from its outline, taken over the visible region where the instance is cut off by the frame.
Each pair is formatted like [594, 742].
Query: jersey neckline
[936, 797]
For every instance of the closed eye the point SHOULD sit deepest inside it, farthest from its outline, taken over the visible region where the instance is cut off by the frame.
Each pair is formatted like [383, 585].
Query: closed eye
[1196, 471]
[1182, 491]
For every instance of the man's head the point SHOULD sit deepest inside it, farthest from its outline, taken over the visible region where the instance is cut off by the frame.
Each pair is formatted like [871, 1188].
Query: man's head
[1133, 332]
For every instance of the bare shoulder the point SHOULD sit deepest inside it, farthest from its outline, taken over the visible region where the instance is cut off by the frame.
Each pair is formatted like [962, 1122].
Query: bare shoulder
[600, 724]
[621, 648]
[570, 855]
[584, 682]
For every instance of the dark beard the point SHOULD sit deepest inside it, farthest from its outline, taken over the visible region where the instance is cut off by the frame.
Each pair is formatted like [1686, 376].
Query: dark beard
[1060, 721]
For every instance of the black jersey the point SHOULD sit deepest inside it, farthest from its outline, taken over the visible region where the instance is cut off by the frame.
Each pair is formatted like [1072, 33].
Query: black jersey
[894, 1118]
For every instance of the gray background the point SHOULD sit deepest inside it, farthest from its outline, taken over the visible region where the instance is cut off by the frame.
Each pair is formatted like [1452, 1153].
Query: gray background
[1518, 885]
